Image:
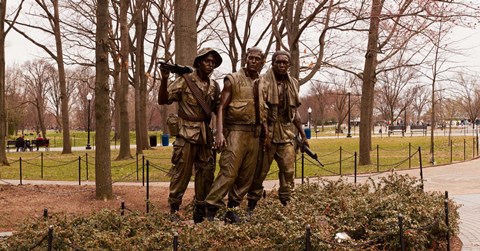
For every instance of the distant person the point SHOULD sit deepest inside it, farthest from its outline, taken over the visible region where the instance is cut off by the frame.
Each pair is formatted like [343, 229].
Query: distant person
[20, 144]
[40, 141]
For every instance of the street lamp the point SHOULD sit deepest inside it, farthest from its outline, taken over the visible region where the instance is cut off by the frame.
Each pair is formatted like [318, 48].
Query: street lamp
[309, 110]
[349, 90]
[89, 98]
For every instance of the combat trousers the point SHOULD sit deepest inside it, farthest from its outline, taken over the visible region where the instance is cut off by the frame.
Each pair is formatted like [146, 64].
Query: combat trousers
[284, 155]
[237, 166]
[188, 157]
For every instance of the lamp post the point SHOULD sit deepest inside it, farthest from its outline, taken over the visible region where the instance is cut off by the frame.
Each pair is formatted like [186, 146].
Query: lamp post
[349, 90]
[309, 110]
[89, 99]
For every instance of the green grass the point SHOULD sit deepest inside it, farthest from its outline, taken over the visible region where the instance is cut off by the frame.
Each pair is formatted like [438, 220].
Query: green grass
[393, 153]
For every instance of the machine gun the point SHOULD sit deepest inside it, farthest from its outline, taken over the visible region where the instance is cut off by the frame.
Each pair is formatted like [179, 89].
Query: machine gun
[304, 149]
[175, 68]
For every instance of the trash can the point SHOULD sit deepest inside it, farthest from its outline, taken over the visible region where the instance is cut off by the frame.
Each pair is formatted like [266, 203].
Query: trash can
[153, 140]
[308, 132]
[165, 140]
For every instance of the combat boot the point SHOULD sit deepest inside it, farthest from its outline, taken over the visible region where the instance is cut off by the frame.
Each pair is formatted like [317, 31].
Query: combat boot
[231, 217]
[199, 213]
[211, 212]
[251, 206]
[174, 208]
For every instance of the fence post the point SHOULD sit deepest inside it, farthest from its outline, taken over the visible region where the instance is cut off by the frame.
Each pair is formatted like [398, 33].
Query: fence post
[303, 166]
[50, 238]
[451, 151]
[409, 155]
[143, 170]
[86, 165]
[400, 232]
[20, 162]
[175, 242]
[79, 170]
[355, 165]
[122, 208]
[340, 160]
[421, 167]
[136, 157]
[45, 213]
[148, 185]
[308, 245]
[378, 158]
[447, 221]
[41, 164]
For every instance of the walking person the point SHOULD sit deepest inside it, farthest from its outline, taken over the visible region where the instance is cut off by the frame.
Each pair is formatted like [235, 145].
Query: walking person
[197, 95]
[240, 117]
[283, 120]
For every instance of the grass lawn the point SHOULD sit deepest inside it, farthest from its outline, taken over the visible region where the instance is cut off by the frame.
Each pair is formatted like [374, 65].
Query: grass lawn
[337, 154]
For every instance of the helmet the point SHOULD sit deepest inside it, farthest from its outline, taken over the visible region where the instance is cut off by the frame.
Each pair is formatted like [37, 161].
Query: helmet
[204, 52]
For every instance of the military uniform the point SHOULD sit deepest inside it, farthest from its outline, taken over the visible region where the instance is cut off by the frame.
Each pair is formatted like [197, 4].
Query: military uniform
[283, 101]
[239, 158]
[192, 149]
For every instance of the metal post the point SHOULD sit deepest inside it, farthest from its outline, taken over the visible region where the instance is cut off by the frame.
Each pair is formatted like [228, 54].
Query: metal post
[175, 242]
[41, 164]
[45, 213]
[409, 154]
[447, 220]
[349, 115]
[20, 162]
[400, 232]
[79, 170]
[421, 167]
[89, 98]
[148, 186]
[86, 164]
[50, 238]
[136, 157]
[308, 245]
[355, 166]
[340, 161]
[122, 208]
[303, 166]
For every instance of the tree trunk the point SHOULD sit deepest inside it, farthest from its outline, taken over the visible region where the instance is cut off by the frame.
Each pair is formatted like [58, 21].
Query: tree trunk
[140, 83]
[368, 87]
[67, 148]
[3, 115]
[124, 152]
[185, 32]
[103, 175]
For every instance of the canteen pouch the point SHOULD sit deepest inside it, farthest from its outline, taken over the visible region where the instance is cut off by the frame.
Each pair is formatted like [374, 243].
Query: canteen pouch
[172, 124]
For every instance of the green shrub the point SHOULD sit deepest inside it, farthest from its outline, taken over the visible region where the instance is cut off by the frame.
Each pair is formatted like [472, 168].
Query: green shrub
[368, 213]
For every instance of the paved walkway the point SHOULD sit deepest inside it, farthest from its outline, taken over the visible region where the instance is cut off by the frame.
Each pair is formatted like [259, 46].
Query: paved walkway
[461, 180]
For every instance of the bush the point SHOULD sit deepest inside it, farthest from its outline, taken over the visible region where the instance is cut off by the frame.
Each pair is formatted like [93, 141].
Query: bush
[367, 213]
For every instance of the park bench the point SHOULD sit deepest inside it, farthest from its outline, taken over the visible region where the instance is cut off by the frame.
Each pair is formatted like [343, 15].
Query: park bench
[22, 145]
[11, 144]
[41, 143]
[396, 128]
[418, 128]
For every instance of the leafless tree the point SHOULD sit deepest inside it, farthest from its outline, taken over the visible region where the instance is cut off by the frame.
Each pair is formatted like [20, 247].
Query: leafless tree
[103, 175]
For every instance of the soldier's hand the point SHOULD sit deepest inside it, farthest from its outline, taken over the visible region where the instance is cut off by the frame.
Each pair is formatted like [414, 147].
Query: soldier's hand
[220, 141]
[305, 142]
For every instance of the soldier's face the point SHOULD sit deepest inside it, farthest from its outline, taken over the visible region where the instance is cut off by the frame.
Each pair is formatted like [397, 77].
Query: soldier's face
[254, 61]
[281, 64]
[207, 64]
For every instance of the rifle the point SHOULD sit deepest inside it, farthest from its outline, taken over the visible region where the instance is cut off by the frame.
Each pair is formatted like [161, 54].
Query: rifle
[175, 68]
[304, 149]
